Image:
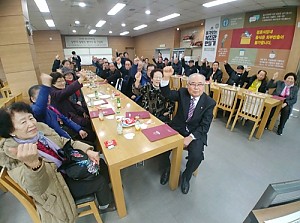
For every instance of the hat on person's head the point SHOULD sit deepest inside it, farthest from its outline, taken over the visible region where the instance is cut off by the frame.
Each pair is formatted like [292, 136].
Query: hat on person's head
[191, 61]
[240, 67]
[65, 71]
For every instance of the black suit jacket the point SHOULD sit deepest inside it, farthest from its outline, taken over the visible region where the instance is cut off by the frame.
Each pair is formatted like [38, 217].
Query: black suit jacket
[200, 122]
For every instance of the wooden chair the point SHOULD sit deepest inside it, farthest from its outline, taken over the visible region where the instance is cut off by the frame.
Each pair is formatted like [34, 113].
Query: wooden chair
[226, 101]
[28, 203]
[175, 82]
[184, 82]
[19, 97]
[5, 92]
[1, 186]
[250, 108]
[207, 89]
[9, 102]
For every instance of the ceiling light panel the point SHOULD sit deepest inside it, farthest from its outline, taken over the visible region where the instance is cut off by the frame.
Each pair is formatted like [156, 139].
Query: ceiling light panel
[42, 5]
[77, 22]
[217, 2]
[100, 23]
[82, 4]
[124, 33]
[171, 16]
[50, 22]
[140, 27]
[118, 7]
[92, 31]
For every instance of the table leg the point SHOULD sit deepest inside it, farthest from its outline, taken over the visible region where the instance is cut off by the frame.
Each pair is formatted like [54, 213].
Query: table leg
[116, 183]
[263, 122]
[275, 116]
[175, 166]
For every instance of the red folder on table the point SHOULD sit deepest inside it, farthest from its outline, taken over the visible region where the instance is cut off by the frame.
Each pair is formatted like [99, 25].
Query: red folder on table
[278, 97]
[94, 114]
[159, 132]
[141, 114]
[108, 111]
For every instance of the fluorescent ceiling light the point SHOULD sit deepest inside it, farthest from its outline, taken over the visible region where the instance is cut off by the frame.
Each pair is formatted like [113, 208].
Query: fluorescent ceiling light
[92, 31]
[148, 12]
[50, 22]
[42, 5]
[124, 33]
[123, 24]
[118, 7]
[217, 2]
[110, 32]
[82, 4]
[100, 23]
[171, 16]
[74, 31]
[140, 27]
[77, 22]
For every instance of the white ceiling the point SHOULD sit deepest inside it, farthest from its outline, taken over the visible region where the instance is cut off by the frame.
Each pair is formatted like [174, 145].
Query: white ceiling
[65, 12]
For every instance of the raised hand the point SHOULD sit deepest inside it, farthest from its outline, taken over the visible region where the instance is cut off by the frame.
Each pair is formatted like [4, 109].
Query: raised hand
[225, 62]
[248, 69]
[275, 75]
[46, 79]
[57, 57]
[138, 76]
[27, 153]
[168, 72]
[118, 60]
[83, 134]
[83, 76]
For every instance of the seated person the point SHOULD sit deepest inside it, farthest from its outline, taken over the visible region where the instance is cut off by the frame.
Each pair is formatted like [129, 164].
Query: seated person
[29, 152]
[235, 77]
[177, 67]
[60, 94]
[159, 64]
[192, 121]
[112, 75]
[211, 73]
[256, 83]
[44, 112]
[70, 78]
[289, 91]
[188, 69]
[151, 98]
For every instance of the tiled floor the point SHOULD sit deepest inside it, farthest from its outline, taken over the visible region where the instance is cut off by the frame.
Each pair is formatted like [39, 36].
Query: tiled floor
[231, 179]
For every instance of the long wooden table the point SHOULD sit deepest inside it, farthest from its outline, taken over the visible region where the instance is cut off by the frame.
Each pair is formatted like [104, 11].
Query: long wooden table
[269, 104]
[129, 152]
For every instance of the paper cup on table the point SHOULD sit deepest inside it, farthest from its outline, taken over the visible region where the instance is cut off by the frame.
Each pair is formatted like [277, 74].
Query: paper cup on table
[129, 135]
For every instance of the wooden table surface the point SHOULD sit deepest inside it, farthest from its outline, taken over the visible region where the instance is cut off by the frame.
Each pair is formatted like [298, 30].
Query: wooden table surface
[269, 104]
[131, 151]
[3, 101]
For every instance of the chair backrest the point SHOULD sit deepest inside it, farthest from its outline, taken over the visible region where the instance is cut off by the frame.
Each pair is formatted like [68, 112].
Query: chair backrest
[19, 97]
[175, 82]
[252, 105]
[10, 101]
[20, 194]
[227, 98]
[184, 81]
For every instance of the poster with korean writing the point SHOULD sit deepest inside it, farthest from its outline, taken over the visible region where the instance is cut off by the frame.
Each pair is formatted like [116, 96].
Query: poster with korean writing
[264, 40]
[211, 35]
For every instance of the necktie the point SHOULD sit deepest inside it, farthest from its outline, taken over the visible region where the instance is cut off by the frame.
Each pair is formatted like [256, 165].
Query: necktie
[191, 109]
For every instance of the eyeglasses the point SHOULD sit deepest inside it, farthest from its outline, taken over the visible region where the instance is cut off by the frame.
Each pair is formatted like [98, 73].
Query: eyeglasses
[196, 84]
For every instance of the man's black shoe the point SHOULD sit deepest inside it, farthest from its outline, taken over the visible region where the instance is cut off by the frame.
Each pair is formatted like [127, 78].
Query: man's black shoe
[165, 177]
[185, 185]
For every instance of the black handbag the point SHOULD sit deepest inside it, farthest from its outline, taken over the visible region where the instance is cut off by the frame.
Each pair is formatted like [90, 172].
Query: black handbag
[77, 165]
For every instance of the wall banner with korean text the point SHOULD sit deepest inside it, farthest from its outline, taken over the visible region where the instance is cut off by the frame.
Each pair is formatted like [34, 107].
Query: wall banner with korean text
[86, 41]
[211, 35]
[261, 38]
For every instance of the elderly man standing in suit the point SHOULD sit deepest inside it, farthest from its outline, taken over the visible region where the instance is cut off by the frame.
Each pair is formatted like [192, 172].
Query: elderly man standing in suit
[192, 121]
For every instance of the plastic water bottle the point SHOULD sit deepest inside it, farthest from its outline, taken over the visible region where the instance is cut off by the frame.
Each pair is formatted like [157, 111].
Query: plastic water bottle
[137, 123]
[239, 87]
[118, 105]
[234, 85]
[119, 127]
[96, 95]
[100, 115]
